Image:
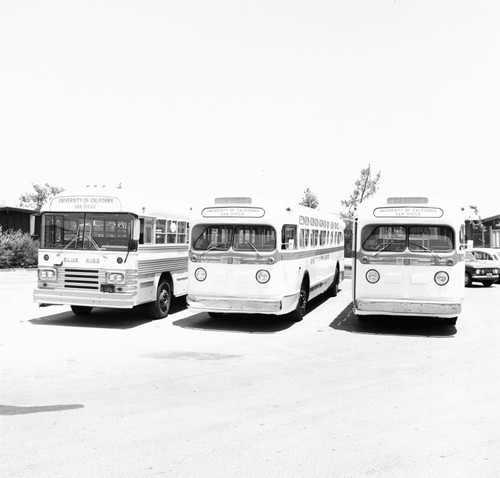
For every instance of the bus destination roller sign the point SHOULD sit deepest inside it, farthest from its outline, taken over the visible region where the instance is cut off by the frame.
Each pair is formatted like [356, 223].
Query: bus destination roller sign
[233, 212]
[425, 212]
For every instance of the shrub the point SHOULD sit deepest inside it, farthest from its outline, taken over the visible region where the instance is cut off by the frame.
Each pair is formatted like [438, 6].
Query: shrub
[17, 249]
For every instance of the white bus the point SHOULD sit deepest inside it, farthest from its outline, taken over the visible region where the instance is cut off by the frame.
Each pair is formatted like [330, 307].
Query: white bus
[106, 248]
[408, 258]
[262, 256]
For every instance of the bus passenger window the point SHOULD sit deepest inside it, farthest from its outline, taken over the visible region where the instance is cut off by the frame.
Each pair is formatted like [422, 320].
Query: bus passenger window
[172, 232]
[181, 236]
[289, 237]
[160, 231]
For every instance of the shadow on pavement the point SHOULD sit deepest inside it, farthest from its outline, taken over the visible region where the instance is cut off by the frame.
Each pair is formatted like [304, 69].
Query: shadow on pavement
[347, 321]
[247, 323]
[104, 318]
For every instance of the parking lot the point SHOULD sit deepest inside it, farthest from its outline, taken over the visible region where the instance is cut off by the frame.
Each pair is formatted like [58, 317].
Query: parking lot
[115, 394]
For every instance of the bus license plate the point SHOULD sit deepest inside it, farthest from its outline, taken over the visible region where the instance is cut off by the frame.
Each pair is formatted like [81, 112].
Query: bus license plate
[107, 288]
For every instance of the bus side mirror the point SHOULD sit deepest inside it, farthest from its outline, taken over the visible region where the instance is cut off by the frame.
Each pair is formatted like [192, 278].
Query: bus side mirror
[32, 225]
[136, 229]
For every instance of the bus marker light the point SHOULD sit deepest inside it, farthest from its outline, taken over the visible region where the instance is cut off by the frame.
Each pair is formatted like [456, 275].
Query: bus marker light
[200, 274]
[441, 278]
[450, 262]
[262, 276]
[372, 276]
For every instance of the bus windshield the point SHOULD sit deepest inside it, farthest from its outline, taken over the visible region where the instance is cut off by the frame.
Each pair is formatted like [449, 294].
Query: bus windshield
[418, 238]
[86, 231]
[240, 237]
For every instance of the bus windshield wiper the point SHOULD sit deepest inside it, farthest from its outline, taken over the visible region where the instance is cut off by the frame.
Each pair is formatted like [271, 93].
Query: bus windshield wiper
[426, 249]
[211, 247]
[253, 247]
[383, 248]
[73, 240]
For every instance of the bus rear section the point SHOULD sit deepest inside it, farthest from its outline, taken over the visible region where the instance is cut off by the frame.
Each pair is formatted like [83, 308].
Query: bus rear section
[409, 259]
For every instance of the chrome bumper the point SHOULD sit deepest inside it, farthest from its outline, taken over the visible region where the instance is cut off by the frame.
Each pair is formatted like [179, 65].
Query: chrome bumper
[85, 298]
[271, 305]
[406, 307]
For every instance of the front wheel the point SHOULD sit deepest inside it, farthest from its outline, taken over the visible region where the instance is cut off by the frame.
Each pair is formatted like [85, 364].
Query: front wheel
[81, 309]
[160, 307]
[334, 288]
[298, 314]
[468, 280]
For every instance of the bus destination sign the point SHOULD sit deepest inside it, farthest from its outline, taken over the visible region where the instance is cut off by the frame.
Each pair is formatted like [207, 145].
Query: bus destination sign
[426, 212]
[233, 212]
[85, 203]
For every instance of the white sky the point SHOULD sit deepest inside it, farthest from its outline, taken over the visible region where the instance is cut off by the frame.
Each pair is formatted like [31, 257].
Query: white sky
[202, 97]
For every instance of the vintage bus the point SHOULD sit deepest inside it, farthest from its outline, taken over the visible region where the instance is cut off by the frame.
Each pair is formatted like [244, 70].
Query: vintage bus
[408, 258]
[107, 248]
[262, 256]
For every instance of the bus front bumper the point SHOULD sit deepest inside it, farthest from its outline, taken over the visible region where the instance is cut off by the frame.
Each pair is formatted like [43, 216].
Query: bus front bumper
[407, 307]
[85, 298]
[270, 305]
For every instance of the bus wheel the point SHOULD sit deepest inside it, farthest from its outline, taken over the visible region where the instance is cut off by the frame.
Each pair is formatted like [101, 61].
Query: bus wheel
[468, 279]
[160, 307]
[298, 314]
[451, 320]
[334, 288]
[81, 309]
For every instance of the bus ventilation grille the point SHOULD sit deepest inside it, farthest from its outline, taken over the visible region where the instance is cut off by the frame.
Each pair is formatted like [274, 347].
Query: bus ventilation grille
[233, 200]
[408, 200]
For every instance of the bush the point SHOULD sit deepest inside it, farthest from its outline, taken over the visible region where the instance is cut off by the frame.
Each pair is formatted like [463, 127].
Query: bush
[17, 249]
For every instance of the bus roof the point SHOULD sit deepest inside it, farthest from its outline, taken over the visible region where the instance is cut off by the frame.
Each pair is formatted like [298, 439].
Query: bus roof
[115, 200]
[250, 208]
[409, 207]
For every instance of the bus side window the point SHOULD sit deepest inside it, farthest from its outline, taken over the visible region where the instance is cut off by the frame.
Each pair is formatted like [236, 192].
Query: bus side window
[289, 237]
[160, 231]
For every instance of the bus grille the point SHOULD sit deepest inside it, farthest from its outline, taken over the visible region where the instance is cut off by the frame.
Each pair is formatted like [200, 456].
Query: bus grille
[81, 279]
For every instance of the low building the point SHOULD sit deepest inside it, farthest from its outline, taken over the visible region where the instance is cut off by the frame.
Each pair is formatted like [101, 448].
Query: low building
[17, 218]
[488, 236]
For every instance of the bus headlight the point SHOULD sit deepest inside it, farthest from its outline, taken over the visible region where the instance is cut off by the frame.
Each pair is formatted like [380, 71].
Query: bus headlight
[200, 274]
[441, 278]
[115, 278]
[372, 276]
[262, 276]
[48, 275]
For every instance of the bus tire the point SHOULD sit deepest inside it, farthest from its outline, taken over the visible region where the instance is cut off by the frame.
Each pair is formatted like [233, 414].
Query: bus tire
[298, 314]
[81, 309]
[468, 279]
[334, 288]
[451, 320]
[159, 308]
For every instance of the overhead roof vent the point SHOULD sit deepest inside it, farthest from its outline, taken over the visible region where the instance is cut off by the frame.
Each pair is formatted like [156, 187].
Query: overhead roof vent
[233, 200]
[408, 200]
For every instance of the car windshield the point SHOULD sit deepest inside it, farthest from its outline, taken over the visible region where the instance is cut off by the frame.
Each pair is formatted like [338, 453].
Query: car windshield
[418, 238]
[221, 237]
[87, 231]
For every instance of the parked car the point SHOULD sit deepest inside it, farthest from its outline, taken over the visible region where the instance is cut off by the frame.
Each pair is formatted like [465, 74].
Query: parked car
[479, 271]
[488, 255]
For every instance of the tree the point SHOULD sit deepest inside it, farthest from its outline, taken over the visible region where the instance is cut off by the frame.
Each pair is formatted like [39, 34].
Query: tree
[310, 199]
[40, 195]
[365, 187]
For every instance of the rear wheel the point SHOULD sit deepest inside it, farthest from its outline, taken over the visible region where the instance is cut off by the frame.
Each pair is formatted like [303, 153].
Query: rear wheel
[160, 307]
[81, 309]
[334, 288]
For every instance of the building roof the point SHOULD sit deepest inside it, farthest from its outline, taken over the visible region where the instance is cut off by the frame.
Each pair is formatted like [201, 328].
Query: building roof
[17, 209]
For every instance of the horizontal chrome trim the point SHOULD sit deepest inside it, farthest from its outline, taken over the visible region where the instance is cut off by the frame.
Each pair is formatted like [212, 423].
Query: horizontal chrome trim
[408, 307]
